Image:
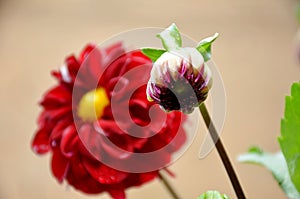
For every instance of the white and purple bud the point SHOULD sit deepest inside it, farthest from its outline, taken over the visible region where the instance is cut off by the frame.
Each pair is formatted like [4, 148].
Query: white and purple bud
[180, 80]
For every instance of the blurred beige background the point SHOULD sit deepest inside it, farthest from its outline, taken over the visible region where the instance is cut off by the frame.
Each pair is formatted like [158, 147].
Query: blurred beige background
[255, 54]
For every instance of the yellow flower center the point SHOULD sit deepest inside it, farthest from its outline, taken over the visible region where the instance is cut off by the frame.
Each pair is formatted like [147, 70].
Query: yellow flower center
[92, 104]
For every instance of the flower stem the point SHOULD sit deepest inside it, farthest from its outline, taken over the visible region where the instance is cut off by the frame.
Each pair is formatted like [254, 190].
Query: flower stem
[222, 153]
[168, 186]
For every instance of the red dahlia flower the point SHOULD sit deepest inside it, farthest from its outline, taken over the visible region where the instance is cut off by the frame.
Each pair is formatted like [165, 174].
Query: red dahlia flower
[78, 125]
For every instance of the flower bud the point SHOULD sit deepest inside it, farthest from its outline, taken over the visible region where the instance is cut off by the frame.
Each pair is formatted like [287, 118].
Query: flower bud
[179, 80]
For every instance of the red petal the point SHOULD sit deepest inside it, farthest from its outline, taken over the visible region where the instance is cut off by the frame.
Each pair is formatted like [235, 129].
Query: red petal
[117, 143]
[57, 96]
[86, 52]
[117, 68]
[59, 127]
[68, 141]
[44, 120]
[57, 114]
[178, 141]
[108, 127]
[115, 50]
[171, 173]
[40, 143]
[98, 145]
[103, 173]
[139, 112]
[146, 177]
[86, 185]
[117, 87]
[81, 179]
[117, 193]
[77, 169]
[91, 142]
[56, 74]
[73, 66]
[119, 138]
[137, 179]
[60, 165]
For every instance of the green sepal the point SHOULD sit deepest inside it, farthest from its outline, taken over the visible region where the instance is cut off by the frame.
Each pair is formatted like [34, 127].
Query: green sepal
[170, 38]
[152, 53]
[204, 46]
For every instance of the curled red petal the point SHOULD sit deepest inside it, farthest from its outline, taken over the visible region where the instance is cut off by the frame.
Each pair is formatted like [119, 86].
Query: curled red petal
[100, 146]
[68, 141]
[120, 139]
[60, 126]
[103, 173]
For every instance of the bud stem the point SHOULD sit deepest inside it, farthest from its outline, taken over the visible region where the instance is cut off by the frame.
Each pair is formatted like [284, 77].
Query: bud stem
[168, 186]
[222, 152]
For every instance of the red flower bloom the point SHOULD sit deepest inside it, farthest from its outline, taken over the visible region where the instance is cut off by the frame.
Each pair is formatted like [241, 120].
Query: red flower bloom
[78, 123]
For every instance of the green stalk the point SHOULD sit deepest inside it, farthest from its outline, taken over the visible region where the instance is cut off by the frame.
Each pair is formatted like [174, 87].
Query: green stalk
[222, 153]
[168, 186]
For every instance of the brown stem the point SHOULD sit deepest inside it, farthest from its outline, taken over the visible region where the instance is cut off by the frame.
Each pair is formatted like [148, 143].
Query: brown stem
[168, 186]
[222, 153]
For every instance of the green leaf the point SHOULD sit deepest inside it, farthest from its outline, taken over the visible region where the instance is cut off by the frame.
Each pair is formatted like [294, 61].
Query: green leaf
[153, 54]
[212, 195]
[204, 46]
[170, 38]
[290, 134]
[274, 163]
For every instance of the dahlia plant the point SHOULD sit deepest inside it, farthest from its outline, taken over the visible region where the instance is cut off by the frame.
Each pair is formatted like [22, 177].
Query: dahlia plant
[102, 127]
